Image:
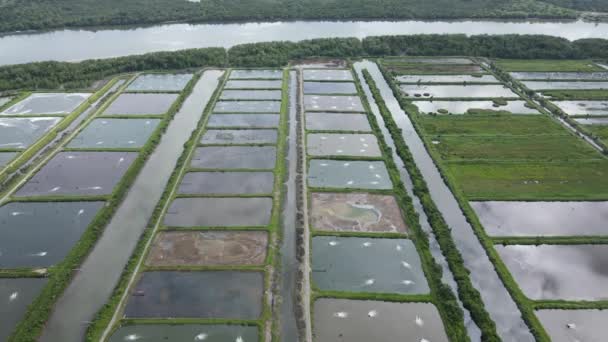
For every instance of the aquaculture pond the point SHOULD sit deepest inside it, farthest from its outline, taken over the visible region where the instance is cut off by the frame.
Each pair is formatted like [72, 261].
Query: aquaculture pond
[599, 122]
[79, 173]
[548, 272]
[327, 75]
[321, 103]
[358, 212]
[141, 104]
[16, 295]
[583, 107]
[185, 332]
[253, 84]
[251, 95]
[41, 234]
[47, 103]
[456, 91]
[329, 88]
[160, 82]
[332, 144]
[446, 79]
[239, 136]
[6, 157]
[543, 218]
[574, 325]
[447, 61]
[248, 107]
[115, 133]
[244, 120]
[337, 320]
[543, 75]
[253, 74]
[348, 174]
[234, 157]
[210, 294]
[19, 133]
[337, 122]
[351, 264]
[219, 212]
[543, 85]
[211, 248]
[227, 183]
[470, 107]
[5, 100]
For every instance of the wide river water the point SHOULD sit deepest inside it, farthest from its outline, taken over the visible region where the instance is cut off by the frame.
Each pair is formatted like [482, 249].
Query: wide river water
[80, 44]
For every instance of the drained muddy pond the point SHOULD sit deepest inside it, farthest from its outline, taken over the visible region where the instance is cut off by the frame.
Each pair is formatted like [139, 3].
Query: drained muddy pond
[41, 234]
[244, 120]
[466, 107]
[16, 295]
[348, 174]
[329, 88]
[227, 183]
[6, 157]
[543, 218]
[328, 75]
[257, 74]
[248, 107]
[256, 84]
[541, 85]
[358, 145]
[351, 264]
[583, 107]
[337, 122]
[219, 212]
[141, 104]
[363, 321]
[211, 294]
[160, 82]
[239, 136]
[333, 103]
[185, 332]
[446, 79]
[48, 103]
[19, 133]
[115, 133]
[574, 325]
[234, 157]
[548, 272]
[251, 95]
[456, 91]
[559, 75]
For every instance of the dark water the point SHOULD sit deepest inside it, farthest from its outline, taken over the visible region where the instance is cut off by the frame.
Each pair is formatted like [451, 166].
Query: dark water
[15, 296]
[234, 157]
[253, 84]
[240, 136]
[522, 75]
[471, 91]
[219, 212]
[19, 133]
[575, 325]
[244, 120]
[327, 144]
[330, 88]
[348, 174]
[227, 183]
[328, 75]
[337, 122]
[47, 103]
[256, 74]
[160, 82]
[251, 95]
[248, 107]
[333, 103]
[115, 133]
[185, 332]
[141, 104]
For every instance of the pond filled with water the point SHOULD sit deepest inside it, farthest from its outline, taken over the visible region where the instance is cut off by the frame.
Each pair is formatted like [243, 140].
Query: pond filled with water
[211, 294]
[40, 234]
[227, 183]
[328, 75]
[543, 218]
[559, 75]
[6, 157]
[212, 248]
[337, 122]
[329, 88]
[251, 95]
[239, 136]
[352, 264]
[256, 73]
[15, 296]
[160, 82]
[541, 85]
[574, 325]
[79, 173]
[583, 107]
[600, 121]
[456, 91]
[115, 133]
[47, 103]
[254, 84]
[333, 103]
[141, 104]
[462, 107]
[446, 79]
[337, 320]
[234, 157]
[348, 174]
[332, 144]
[185, 332]
[20, 133]
[219, 212]
[244, 120]
[248, 107]
[557, 271]
[5, 100]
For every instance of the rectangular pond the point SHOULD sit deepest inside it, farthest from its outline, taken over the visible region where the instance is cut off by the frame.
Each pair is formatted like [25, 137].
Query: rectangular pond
[251, 95]
[5, 100]
[470, 107]
[548, 272]
[456, 91]
[212, 294]
[337, 122]
[160, 82]
[141, 104]
[437, 60]
[244, 120]
[227, 183]
[255, 84]
[16, 295]
[6, 157]
[599, 121]
[185, 332]
[211, 248]
[234, 157]
[330, 88]
[323, 173]
[583, 107]
[338, 320]
[334, 144]
[20, 133]
[41, 234]
[320, 103]
[115, 133]
[248, 107]
[256, 73]
[79, 174]
[328, 75]
[574, 325]
[543, 85]
[239, 136]
[540, 75]
[446, 79]
[47, 104]
[353, 265]
[219, 212]
[543, 218]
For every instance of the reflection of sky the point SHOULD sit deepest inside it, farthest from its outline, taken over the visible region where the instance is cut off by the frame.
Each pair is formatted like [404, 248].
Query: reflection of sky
[83, 44]
[472, 91]
[536, 85]
[588, 325]
[461, 107]
[583, 107]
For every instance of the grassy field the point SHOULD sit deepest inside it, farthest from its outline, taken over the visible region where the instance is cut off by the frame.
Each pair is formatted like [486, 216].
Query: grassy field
[489, 125]
[547, 65]
[600, 131]
[580, 94]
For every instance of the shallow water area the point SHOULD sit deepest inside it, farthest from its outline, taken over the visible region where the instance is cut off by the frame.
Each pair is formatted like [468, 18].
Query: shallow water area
[160, 82]
[5, 100]
[462, 107]
[240, 136]
[583, 107]
[210, 294]
[115, 133]
[456, 91]
[329, 88]
[79, 173]
[185, 332]
[348, 174]
[253, 84]
[227, 183]
[47, 104]
[437, 60]
[333, 144]
[352, 264]
[214, 248]
[363, 321]
[41, 234]
[219, 212]
[244, 120]
[256, 73]
[251, 95]
[543, 85]
[600, 121]
[327, 75]
[15, 296]
[542, 218]
[446, 79]
[141, 104]
[574, 325]
[234, 157]
[6, 157]
[337, 122]
[548, 272]
[559, 75]
[20, 133]
[333, 103]
[248, 107]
